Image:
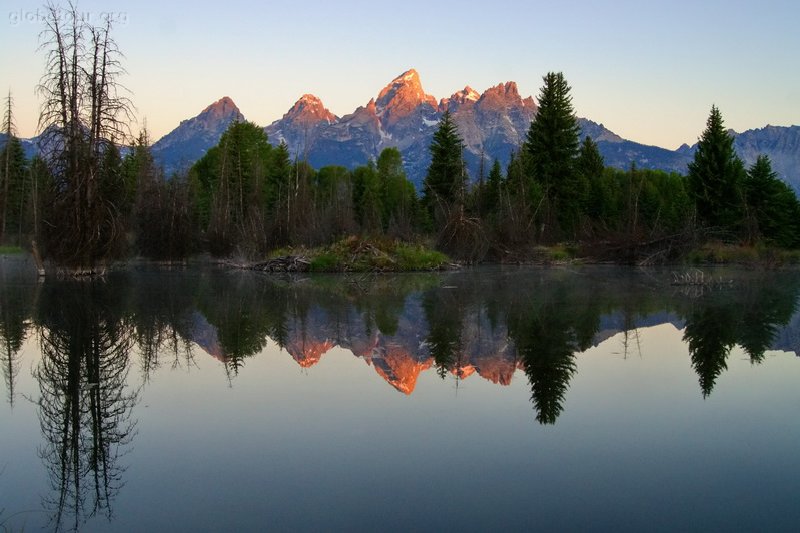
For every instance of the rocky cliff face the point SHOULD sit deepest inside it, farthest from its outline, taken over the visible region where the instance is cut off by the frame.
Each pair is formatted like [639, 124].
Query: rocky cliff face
[404, 116]
[781, 144]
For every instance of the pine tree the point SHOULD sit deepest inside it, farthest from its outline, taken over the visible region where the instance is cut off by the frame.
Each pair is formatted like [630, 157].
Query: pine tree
[715, 178]
[232, 181]
[590, 163]
[398, 196]
[491, 198]
[552, 145]
[279, 194]
[14, 191]
[367, 198]
[445, 181]
[773, 207]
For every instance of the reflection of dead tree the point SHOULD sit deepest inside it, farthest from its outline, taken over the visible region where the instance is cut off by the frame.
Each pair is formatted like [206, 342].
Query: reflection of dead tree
[10, 356]
[84, 408]
[627, 335]
[630, 330]
[162, 336]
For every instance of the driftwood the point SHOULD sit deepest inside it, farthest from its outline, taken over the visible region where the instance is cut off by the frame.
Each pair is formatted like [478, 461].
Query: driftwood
[285, 263]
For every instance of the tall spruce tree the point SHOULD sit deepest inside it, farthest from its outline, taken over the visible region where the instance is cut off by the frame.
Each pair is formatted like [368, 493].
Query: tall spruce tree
[491, 197]
[446, 178]
[590, 162]
[773, 207]
[552, 145]
[716, 176]
[14, 191]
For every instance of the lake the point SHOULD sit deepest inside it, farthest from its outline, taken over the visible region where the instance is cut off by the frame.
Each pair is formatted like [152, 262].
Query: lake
[563, 398]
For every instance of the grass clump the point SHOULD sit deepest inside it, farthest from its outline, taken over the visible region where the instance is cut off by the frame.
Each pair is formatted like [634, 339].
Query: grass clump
[11, 250]
[358, 254]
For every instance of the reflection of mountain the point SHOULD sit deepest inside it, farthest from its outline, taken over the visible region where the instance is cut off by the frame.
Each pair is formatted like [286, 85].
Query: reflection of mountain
[469, 330]
[306, 352]
[394, 363]
[618, 322]
[787, 338]
[205, 336]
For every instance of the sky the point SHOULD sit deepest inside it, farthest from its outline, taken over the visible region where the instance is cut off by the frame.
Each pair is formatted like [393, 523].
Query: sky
[648, 70]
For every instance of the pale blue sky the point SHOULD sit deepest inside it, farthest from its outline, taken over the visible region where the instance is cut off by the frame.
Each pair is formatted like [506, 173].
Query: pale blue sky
[649, 71]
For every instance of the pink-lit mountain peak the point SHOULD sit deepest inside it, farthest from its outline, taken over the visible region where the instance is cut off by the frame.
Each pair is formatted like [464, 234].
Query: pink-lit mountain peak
[465, 96]
[222, 108]
[310, 110]
[403, 94]
[506, 94]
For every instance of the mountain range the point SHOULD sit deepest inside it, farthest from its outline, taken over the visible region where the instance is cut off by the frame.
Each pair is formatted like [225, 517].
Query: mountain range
[492, 124]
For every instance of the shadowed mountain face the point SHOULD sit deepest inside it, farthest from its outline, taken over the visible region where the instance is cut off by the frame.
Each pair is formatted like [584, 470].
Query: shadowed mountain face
[180, 148]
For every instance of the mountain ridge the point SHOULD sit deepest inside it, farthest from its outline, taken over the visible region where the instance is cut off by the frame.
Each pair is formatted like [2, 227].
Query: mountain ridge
[493, 124]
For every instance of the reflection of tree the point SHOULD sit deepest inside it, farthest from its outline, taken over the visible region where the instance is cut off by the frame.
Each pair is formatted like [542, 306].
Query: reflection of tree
[444, 312]
[548, 328]
[15, 307]
[749, 316]
[546, 343]
[711, 333]
[162, 305]
[237, 305]
[84, 408]
[768, 307]
[16, 301]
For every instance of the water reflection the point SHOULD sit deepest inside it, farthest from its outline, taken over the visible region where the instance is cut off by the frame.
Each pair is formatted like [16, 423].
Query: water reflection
[459, 324]
[489, 323]
[85, 406]
[16, 306]
[750, 317]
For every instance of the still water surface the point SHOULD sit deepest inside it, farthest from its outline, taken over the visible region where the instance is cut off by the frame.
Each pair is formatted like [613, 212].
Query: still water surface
[516, 399]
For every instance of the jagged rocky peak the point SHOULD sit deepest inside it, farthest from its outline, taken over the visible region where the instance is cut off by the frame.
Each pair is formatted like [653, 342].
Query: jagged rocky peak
[309, 110]
[363, 115]
[402, 96]
[465, 96]
[223, 108]
[505, 94]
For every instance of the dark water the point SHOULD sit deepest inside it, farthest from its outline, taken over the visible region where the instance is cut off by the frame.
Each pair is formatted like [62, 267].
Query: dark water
[494, 399]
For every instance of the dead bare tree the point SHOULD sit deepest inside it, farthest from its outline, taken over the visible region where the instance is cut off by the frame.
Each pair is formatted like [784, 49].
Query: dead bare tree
[84, 112]
[8, 128]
